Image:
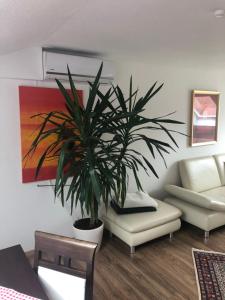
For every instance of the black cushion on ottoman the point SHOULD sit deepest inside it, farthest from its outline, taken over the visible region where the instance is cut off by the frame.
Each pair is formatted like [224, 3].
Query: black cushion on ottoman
[130, 210]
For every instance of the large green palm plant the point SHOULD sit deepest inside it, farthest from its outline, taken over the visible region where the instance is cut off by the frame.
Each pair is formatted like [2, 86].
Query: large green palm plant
[93, 144]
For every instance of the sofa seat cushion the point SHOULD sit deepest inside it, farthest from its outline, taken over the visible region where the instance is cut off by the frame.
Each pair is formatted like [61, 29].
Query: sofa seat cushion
[199, 174]
[143, 221]
[203, 218]
[217, 194]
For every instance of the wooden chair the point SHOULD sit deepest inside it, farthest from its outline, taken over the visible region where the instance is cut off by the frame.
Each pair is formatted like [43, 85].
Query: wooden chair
[56, 256]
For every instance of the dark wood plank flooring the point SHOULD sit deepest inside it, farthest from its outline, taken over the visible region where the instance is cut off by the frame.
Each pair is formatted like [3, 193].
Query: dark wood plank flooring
[158, 270]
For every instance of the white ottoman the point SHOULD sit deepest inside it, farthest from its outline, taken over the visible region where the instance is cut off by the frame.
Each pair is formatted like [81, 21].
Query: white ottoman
[136, 229]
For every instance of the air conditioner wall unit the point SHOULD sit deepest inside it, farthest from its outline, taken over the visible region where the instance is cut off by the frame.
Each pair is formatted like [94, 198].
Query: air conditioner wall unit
[82, 68]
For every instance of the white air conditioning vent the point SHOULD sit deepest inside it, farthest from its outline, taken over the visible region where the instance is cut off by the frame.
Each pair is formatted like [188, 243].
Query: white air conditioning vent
[82, 68]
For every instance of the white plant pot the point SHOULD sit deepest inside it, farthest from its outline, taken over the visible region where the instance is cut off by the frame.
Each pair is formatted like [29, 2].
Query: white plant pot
[90, 235]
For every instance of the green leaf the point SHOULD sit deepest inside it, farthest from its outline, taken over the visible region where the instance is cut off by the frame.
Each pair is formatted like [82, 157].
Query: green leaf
[95, 184]
[42, 159]
[74, 91]
[150, 167]
[94, 90]
[139, 186]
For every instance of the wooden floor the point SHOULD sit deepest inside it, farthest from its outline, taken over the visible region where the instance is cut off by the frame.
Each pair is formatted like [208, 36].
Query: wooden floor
[158, 270]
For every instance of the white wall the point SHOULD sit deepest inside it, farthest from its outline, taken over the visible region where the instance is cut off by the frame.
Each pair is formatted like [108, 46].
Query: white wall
[25, 208]
[179, 78]
[23, 64]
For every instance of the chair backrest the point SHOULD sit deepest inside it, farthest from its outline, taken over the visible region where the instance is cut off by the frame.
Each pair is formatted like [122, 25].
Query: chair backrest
[57, 255]
[199, 174]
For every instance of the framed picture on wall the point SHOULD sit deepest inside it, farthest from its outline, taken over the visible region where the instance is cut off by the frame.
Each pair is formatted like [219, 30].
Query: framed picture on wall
[33, 101]
[205, 112]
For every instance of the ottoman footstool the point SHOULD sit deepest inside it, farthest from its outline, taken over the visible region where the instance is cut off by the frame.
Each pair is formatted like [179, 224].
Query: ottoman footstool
[138, 228]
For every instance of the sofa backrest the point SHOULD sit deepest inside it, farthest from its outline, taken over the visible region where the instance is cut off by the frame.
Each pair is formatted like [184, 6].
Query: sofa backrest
[220, 162]
[199, 174]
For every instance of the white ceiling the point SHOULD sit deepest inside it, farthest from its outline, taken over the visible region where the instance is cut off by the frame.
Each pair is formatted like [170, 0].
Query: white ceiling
[132, 27]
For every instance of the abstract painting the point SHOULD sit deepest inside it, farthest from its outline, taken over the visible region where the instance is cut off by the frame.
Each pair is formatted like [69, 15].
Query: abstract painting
[205, 111]
[33, 101]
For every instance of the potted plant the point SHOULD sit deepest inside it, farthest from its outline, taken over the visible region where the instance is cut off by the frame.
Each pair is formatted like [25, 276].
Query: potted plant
[93, 146]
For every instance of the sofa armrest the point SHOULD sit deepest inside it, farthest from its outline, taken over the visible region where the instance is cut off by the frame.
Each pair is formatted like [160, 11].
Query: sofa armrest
[195, 198]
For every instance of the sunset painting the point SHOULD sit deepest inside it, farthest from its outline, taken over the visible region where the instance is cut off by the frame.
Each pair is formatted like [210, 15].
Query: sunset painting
[33, 101]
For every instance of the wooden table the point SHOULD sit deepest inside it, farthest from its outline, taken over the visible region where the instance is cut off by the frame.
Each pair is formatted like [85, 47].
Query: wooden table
[16, 273]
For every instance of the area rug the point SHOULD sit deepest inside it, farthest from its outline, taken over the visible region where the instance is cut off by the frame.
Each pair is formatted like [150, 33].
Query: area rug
[210, 274]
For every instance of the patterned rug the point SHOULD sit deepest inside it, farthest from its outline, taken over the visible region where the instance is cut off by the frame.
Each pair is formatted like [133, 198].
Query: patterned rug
[210, 274]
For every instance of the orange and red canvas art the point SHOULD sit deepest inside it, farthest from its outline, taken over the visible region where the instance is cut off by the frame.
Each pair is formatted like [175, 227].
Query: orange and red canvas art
[35, 100]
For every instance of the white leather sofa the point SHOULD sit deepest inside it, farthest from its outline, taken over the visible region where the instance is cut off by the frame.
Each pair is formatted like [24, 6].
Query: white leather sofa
[202, 195]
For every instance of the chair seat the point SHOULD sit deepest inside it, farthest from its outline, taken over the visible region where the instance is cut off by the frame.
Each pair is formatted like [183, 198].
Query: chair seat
[139, 222]
[61, 286]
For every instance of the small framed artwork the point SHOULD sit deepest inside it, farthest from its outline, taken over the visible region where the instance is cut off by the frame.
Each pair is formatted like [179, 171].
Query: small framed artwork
[205, 112]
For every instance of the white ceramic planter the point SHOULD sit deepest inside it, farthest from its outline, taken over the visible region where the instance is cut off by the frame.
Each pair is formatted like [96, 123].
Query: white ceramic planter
[91, 235]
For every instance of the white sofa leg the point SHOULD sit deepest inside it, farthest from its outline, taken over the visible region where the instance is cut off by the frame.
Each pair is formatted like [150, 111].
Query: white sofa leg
[132, 249]
[171, 236]
[206, 236]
